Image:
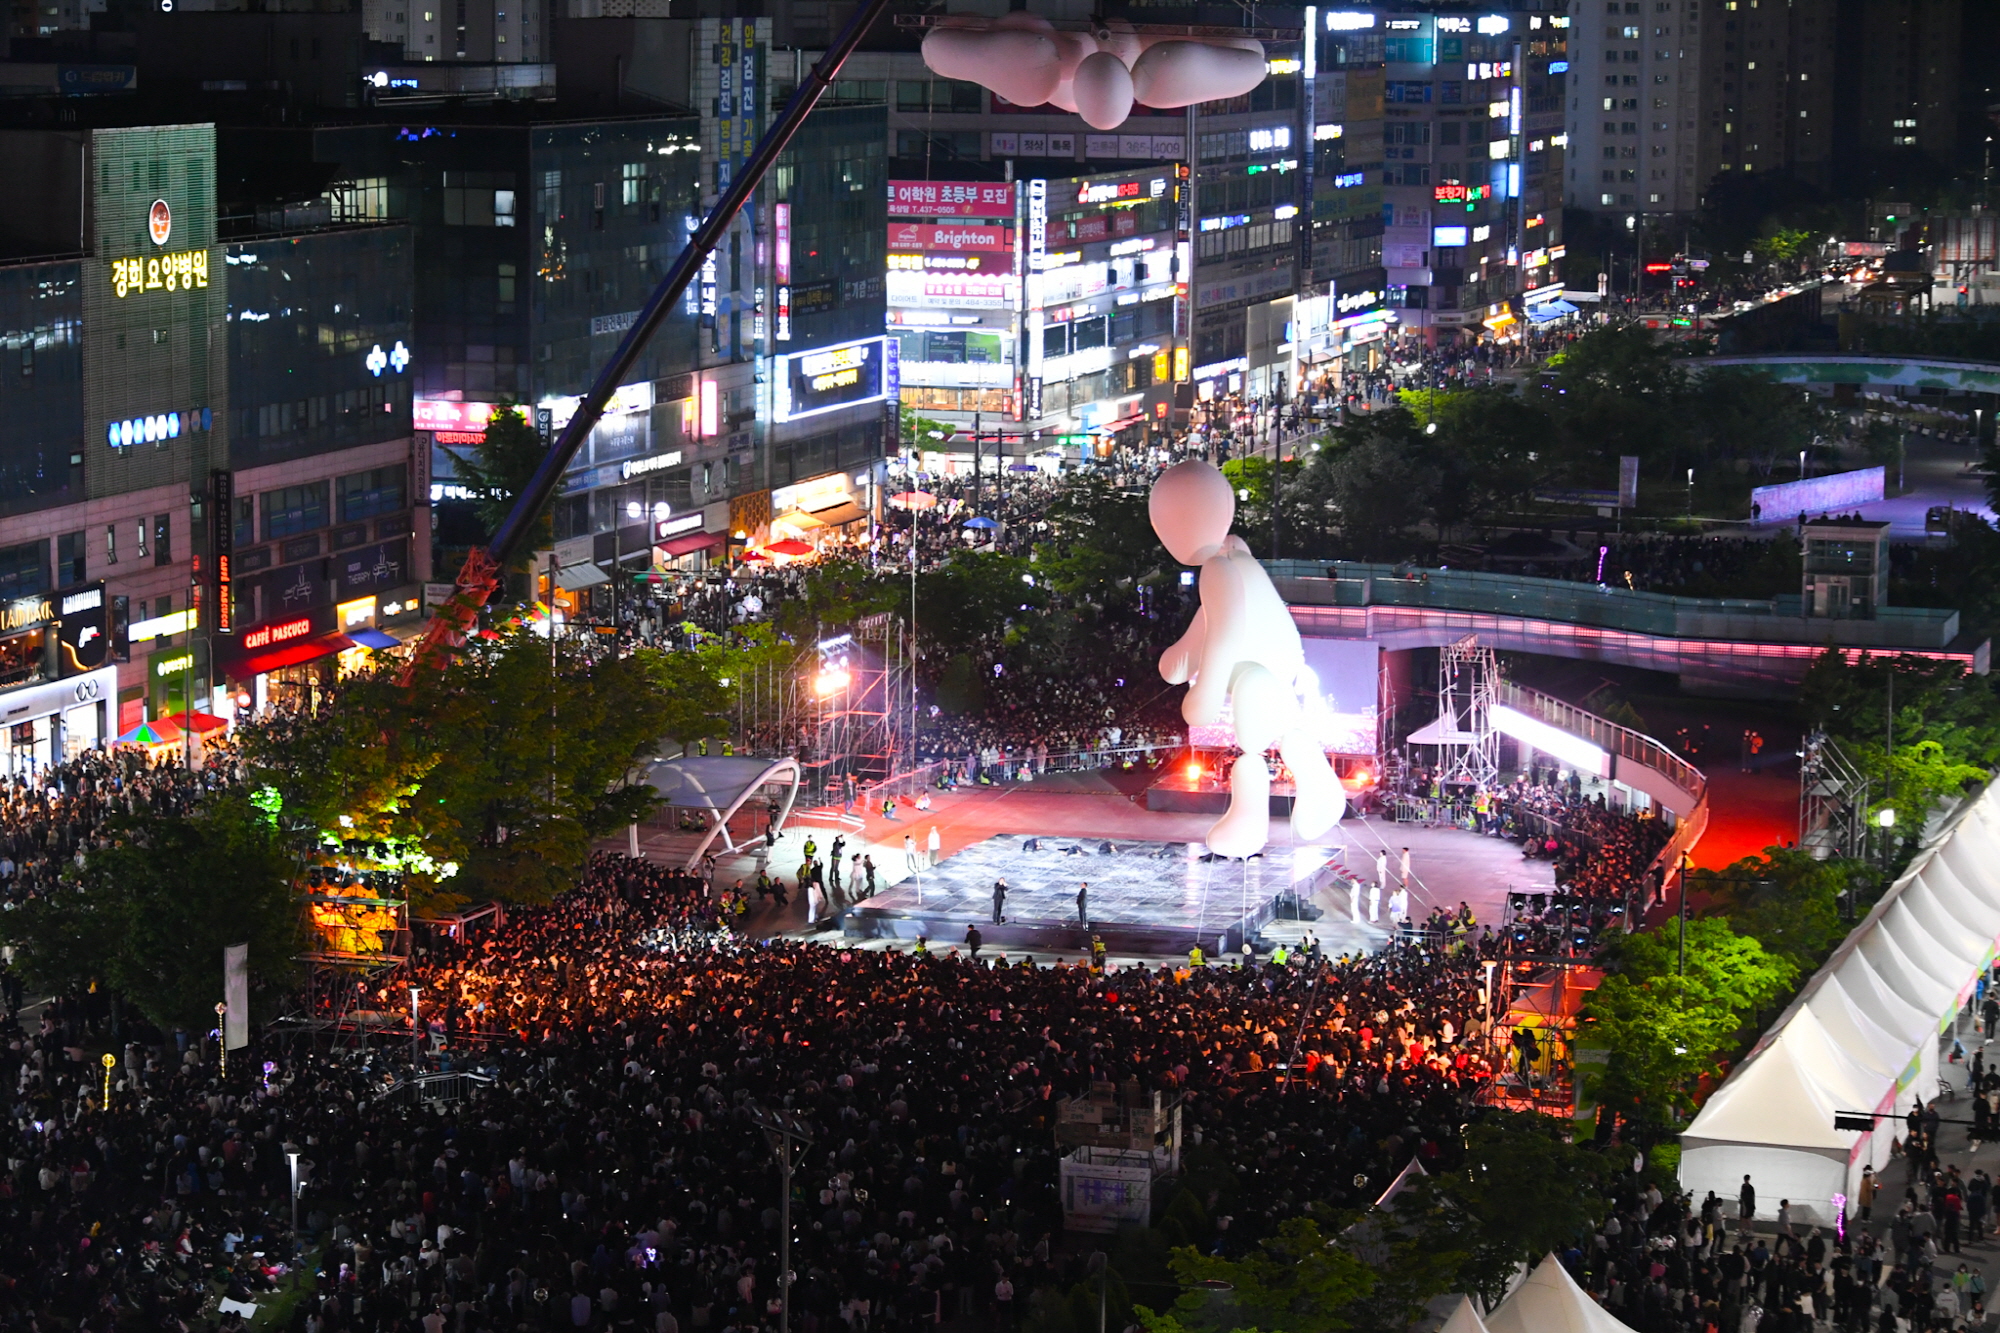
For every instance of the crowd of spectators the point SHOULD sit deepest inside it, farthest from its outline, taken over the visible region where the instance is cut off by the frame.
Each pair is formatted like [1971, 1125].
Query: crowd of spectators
[52, 815]
[1603, 858]
[1662, 1261]
[610, 1176]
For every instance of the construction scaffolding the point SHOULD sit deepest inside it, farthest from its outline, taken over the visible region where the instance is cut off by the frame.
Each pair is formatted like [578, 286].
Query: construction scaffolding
[1833, 801]
[1468, 747]
[852, 710]
[357, 917]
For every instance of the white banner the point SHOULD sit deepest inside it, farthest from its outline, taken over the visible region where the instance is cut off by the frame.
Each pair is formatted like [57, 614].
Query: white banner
[236, 994]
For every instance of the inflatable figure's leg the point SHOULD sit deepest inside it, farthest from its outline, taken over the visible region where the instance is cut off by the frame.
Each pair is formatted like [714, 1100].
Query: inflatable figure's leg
[1318, 799]
[1257, 700]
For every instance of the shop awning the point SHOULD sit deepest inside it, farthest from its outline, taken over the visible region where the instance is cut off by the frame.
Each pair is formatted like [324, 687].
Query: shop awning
[830, 517]
[374, 638]
[835, 515]
[571, 578]
[1548, 310]
[290, 654]
[1499, 321]
[694, 541]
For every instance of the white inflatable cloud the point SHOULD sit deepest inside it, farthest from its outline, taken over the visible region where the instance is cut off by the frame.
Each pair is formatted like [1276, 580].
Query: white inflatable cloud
[1100, 75]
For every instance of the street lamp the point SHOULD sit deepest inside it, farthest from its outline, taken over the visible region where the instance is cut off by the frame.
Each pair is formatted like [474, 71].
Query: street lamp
[292, 1160]
[788, 1135]
[1802, 465]
[221, 1039]
[415, 1030]
[1690, 503]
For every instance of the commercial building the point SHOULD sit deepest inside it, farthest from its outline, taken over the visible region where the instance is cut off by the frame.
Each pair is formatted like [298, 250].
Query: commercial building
[1472, 150]
[209, 450]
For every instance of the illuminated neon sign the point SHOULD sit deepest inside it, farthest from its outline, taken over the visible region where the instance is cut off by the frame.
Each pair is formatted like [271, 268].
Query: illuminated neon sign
[181, 271]
[280, 631]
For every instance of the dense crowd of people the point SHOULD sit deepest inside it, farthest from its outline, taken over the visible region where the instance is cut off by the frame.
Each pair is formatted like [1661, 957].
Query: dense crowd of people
[610, 1175]
[52, 815]
[1661, 1261]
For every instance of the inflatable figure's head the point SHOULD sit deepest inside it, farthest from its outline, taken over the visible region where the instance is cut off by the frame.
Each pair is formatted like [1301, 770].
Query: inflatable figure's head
[1191, 508]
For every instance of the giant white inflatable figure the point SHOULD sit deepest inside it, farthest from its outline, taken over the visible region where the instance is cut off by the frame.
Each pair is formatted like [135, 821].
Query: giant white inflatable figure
[1097, 74]
[1243, 650]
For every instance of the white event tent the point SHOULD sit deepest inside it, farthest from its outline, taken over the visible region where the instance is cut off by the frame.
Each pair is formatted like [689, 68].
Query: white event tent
[1551, 1302]
[1863, 1034]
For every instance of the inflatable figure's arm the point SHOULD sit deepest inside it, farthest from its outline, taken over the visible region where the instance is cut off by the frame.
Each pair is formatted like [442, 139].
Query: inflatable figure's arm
[1223, 641]
[1178, 662]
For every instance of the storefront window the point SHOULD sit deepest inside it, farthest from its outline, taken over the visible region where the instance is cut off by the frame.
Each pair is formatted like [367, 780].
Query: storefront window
[23, 658]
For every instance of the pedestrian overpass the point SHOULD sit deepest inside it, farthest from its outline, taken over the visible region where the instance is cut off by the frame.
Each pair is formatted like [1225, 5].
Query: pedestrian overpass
[1714, 645]
[1866, 371]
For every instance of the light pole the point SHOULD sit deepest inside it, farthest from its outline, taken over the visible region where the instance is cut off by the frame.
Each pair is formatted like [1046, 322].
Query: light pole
[633, 510]
[1802, 465]
[1682, 912]
[786, 1133]
[292, 1160]
[221, 1039]
[1690, 502]
[415, 1029]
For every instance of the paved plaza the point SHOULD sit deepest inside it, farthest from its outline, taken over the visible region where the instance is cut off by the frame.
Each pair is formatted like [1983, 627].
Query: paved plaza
[1447, 865]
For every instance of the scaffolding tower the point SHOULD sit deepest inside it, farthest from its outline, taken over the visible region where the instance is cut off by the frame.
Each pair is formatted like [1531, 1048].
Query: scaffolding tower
[1468, 683]
[1833, 801]
[858, 722]
[357, 917]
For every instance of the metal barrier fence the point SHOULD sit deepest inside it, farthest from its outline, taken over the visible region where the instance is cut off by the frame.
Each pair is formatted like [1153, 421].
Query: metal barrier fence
[448, 1086]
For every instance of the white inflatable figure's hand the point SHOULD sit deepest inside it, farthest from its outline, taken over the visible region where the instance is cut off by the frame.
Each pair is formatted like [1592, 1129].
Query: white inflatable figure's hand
[1099, 74]
[1018, 57]
[1177, 663]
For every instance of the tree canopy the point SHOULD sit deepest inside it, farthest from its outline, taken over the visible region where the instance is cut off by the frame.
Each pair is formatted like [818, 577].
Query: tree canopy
[149, 915]
[505, 766]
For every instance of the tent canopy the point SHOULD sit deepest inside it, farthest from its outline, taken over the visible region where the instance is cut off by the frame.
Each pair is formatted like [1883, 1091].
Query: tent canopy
[1551, 1302]
[712, 782]
[1862, 1034]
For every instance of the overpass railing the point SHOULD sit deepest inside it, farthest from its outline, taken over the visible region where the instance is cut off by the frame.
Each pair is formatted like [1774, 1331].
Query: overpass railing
[1774, 620]
[1634, 747]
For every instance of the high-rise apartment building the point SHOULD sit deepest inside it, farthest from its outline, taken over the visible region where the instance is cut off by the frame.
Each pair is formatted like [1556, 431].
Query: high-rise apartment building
[1668, 97]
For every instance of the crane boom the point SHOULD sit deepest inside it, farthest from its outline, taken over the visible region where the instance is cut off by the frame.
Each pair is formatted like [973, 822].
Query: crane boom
[480, 575]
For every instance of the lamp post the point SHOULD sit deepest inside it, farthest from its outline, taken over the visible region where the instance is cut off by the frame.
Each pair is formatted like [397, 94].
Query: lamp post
[221, 1039]
[109, 1061]
[1681, 912]
[789, 1137]
[633, 510]
[292, 1160]
[415, 1030]
[1690, 500]
[1802, 465]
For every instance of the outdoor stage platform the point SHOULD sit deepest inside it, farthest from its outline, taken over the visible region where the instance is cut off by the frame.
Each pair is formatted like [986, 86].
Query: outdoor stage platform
[1150, 898]
[1177, 793]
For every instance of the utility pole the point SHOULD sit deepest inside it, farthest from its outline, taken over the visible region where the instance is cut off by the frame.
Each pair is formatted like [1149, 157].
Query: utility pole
[1682, 912]
[785, 1131]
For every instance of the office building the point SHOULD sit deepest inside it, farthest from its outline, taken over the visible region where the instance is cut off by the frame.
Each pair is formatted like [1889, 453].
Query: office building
[1464, 109]
[209, 467]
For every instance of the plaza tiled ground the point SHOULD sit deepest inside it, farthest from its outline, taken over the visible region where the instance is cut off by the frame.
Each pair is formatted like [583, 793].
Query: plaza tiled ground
[1447, 865]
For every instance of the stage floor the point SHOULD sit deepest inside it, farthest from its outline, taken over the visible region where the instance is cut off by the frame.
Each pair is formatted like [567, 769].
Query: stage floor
[1150, 897]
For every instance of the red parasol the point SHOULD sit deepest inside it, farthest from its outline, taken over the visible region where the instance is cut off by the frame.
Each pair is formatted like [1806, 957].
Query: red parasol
[789, 546]
[913, 499]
